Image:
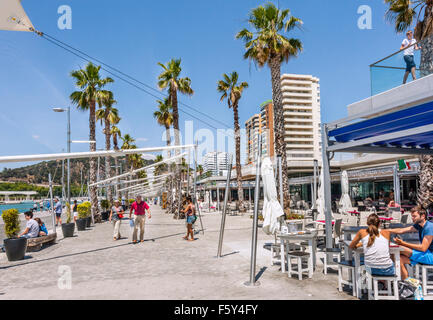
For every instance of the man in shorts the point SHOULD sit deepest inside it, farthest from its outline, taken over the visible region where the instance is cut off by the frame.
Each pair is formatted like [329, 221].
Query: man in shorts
[416, 253]
[58, 211]
[410, 45]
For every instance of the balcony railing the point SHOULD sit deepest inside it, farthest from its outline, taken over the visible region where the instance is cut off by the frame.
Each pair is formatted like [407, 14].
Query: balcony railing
[389, 72]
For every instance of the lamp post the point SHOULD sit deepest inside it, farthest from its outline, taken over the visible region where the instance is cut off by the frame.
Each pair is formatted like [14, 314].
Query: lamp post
[68, 110]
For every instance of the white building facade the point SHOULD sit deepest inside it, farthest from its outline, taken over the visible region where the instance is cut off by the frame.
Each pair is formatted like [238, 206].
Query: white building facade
[217, 163]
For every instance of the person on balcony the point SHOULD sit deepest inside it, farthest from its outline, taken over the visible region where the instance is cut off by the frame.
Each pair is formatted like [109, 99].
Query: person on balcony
[410, 45]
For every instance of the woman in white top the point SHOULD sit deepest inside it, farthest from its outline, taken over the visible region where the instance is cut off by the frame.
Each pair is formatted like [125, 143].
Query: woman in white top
[376, 247]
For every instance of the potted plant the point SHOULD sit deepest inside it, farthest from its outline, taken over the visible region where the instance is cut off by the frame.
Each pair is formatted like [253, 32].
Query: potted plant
[82, 217]
[68, 227]
[89, 213]
[105, 205]
[15, 247]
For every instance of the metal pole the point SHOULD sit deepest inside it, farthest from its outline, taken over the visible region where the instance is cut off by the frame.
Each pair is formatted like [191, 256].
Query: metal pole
[68, 161]
[315, 169]
[195, 188]
[63, 182]
[280, 178]
[252, 281]
[187, 175]
[217, 175]
[53, 215]
[223, 216]
[397, 197]
[326, 186]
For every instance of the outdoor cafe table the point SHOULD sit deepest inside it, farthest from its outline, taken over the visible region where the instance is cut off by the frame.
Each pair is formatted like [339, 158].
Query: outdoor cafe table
[287, 237]
[394, 249]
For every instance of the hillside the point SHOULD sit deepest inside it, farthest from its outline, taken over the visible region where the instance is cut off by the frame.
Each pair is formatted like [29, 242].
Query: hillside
[37, 174]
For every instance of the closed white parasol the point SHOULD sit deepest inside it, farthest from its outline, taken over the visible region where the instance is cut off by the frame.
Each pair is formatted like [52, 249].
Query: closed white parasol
[345, 201]
[272, 209]
[13, 17]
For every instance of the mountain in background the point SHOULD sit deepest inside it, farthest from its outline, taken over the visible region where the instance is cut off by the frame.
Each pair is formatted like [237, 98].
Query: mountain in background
[37, 174]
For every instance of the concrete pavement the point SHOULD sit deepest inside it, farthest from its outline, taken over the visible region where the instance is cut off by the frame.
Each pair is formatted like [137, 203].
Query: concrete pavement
[163, 267]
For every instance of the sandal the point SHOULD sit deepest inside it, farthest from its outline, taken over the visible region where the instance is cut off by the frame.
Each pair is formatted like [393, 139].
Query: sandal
[185, 238]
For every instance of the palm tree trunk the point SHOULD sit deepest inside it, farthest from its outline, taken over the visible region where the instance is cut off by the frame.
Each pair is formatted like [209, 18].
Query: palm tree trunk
[107, 159]
[173, 100]
[425, 192]
[238, 158]
[168, 138]
[92, 190]
[280, 145]
[116, 164]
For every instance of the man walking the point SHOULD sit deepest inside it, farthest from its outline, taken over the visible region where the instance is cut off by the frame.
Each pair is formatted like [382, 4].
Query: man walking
[139, 208]
[410, 45]
[58, 211]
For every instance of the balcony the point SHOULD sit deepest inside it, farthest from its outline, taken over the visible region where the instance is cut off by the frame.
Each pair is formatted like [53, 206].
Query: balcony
[388, 73]
[388, 93]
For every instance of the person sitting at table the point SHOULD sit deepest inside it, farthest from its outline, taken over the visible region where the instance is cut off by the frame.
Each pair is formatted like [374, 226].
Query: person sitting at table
[393, 204]
[416, 253]
[375, 241]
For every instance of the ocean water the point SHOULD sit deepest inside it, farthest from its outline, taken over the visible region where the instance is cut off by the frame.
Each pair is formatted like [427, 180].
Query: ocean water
[21, 207]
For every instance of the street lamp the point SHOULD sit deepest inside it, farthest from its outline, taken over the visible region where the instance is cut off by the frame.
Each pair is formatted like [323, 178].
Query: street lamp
[68, 110]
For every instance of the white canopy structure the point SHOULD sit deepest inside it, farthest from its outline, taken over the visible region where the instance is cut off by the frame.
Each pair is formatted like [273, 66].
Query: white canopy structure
[13, 17]
[138, 170]
[272, 209]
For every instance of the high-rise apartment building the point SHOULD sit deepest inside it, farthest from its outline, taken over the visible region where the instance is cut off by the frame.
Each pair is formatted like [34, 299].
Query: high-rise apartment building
[263, 124]
[301, 105]
[216, 162]
[302, 133]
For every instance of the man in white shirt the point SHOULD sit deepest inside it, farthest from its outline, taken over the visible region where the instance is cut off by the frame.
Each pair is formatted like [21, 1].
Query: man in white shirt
[410, 45]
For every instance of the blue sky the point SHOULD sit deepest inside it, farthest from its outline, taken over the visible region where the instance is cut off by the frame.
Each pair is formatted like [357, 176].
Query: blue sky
[134, 35]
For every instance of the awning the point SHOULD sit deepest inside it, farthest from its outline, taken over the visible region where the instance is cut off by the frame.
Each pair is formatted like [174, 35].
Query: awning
[13, 17]
[409, 131]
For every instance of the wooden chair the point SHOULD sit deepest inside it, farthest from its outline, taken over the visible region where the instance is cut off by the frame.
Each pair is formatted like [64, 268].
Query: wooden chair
[426, 284]
[373, 289]
[300, 257]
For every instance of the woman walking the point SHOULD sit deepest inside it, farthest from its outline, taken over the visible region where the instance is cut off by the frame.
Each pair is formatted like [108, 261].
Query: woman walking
[190, 218]
[116, 215]
[75, 210]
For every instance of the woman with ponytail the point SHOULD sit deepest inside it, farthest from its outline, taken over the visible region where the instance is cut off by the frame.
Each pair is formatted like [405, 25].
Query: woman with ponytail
[376, 247]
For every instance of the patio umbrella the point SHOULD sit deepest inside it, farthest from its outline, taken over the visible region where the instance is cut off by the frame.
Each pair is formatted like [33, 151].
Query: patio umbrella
[272, 209]
[321, 199]
[345, 201]
[13, 17]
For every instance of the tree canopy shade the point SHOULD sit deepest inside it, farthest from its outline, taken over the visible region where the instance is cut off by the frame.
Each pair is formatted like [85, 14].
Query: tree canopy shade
[13, 17]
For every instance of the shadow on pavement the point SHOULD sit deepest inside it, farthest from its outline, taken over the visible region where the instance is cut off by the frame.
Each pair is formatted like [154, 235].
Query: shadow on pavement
[85, 252]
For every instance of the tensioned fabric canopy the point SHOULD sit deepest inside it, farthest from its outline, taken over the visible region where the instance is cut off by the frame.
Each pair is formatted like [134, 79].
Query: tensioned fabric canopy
[13, 17]
[408, 131]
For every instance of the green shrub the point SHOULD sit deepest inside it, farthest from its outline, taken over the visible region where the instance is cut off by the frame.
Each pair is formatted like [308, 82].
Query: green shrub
[105, 204]
[131, 201]
[84, 210]
[12, 222]
[293, 216]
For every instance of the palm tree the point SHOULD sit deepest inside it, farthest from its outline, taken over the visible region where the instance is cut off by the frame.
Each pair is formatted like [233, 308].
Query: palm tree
[403, 13]
[165, 118]
[267, 45]
[170, 78]
[115, 133]
[110, 116]
[91, 86]
[128, 143]
[232, 91]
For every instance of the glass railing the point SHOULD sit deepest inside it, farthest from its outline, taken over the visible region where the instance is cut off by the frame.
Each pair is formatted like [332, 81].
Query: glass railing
[389, 72]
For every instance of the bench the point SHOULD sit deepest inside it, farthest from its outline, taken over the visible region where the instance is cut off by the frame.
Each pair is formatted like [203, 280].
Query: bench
[35, 244]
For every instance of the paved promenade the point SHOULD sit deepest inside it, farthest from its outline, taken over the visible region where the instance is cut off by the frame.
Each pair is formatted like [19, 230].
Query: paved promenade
[163, 267]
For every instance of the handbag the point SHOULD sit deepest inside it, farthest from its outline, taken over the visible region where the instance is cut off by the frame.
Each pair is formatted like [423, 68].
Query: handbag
[406, 291]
